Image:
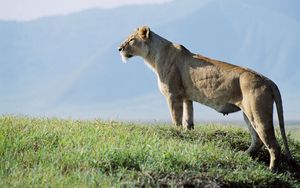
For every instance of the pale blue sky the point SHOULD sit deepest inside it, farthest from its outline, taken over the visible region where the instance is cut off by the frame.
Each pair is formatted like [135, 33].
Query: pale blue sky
[32, 9]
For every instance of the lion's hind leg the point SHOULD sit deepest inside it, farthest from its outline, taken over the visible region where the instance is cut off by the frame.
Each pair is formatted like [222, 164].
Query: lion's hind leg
[259, 110]
[256, 142]
[266, 133]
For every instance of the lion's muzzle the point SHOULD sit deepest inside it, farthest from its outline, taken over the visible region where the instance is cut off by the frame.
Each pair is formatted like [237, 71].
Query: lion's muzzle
[124, 55]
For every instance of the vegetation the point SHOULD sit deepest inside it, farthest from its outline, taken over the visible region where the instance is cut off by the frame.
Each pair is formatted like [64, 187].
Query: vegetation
[69, 153]
[294, 131]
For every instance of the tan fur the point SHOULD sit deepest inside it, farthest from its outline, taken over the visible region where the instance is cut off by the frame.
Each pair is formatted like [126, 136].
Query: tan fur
[184, 77]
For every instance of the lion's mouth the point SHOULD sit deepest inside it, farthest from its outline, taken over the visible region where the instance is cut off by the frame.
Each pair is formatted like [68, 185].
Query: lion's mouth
[125, 57]
[128, 56]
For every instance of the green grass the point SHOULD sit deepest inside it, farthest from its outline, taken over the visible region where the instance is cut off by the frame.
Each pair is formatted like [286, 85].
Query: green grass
[294, 131]
[68, 153]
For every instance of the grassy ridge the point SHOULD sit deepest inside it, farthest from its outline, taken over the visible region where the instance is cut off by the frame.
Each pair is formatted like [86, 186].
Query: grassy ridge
[69, 153]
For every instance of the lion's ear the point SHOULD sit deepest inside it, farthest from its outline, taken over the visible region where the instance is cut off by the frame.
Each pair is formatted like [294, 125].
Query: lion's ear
[144, 32]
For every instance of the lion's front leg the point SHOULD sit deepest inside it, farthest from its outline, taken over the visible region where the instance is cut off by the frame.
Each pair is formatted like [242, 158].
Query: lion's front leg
[176, 109]
[188, 117]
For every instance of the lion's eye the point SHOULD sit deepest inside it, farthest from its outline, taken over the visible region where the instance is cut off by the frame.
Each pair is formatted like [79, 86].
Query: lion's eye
[131, 41]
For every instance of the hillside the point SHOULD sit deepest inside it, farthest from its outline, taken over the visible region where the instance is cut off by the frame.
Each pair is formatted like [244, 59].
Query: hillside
[68, 65]
[67, 153]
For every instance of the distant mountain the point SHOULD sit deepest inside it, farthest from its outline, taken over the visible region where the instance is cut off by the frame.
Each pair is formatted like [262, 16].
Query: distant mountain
[70, 66]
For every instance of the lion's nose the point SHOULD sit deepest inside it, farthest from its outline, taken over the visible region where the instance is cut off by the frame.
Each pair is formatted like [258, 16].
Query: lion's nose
[120, 48]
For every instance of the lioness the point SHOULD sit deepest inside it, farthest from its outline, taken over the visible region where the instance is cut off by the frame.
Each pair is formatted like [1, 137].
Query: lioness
[184, 77]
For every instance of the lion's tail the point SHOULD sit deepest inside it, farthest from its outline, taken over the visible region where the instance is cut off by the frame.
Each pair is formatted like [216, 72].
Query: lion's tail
[278, 102]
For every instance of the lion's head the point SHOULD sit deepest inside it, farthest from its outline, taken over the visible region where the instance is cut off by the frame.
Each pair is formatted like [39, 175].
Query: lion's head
[136, 44]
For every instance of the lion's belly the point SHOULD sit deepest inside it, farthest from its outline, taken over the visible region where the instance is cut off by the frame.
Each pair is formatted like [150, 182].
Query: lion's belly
[220, 103]
[216, 90]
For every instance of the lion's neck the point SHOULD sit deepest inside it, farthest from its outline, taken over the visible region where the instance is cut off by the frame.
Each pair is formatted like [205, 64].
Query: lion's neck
[158, 47]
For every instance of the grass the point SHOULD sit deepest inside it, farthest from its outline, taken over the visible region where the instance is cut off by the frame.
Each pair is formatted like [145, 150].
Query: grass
[41, 152]
[294, 131]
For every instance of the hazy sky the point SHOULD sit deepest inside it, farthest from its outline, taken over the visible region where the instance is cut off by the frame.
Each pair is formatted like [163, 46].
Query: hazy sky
[32, 9]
